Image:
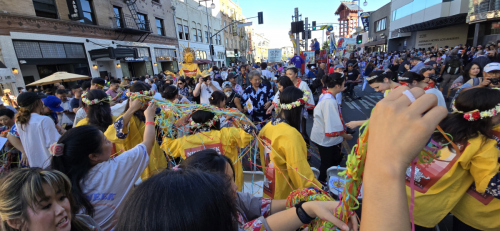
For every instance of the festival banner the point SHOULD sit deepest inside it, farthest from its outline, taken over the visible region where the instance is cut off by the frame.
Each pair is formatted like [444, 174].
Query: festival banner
[274, 55]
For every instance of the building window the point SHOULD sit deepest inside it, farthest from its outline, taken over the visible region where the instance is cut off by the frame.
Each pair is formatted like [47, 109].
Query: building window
[206, 36]
[224, 25]
[380, 25]
[195, 34]
[45, 8]
[160, 28]
[118, 16]
[186, 32]
[181, 32]
[200, 36]
[142, 18]
[88, 12]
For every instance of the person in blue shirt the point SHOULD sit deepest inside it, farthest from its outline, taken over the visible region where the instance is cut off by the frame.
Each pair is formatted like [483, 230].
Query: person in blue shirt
[316, 48]
[297, 61]
[312, 73]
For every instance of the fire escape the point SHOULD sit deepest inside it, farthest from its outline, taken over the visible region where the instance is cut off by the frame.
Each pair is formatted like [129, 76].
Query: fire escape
[135, 24]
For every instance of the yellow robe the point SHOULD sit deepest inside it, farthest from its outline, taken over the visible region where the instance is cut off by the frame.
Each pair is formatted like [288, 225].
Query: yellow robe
[440, 185]
[285, 160]
[157, 160]
[225, 141]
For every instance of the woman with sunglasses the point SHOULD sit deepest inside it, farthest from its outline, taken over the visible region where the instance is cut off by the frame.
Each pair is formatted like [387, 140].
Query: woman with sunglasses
[184, 91]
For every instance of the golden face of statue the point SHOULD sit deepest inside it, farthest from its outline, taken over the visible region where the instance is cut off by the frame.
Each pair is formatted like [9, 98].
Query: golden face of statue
[189, 58]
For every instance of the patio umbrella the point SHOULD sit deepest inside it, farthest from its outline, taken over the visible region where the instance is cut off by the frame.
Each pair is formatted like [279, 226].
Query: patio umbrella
[58, 77]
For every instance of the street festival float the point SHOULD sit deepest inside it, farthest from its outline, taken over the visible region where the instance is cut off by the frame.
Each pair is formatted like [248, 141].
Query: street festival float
[188, 67]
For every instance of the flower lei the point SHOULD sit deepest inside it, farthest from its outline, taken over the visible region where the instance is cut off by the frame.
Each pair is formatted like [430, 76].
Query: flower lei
[476, 114]
[295, 104]
[210, 123]
[135, 95]
[95, 101]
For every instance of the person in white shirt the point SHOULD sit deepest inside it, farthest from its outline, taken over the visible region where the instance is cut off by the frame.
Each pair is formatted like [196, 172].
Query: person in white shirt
[267, 74]
[329, 129]
[35, 131]
[101, 184]
[427, 82]
[205, 87]
[67, 116]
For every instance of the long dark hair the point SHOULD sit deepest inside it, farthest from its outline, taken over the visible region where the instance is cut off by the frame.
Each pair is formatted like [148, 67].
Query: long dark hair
[461, 129]
[201, 117]
[294, 115]
[333, 80]
[170, 92]
[203, 201]
[99, 114]
[216, 98]
[409, 77]
[207, 160]
[381, 75]
[78, 142]
[466, 76]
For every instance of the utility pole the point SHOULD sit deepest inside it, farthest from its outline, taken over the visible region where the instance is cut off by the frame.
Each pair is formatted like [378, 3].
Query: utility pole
[306, 34]
[297, 38]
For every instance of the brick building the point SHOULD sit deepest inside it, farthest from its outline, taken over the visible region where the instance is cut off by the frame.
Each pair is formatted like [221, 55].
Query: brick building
[91, 37]
[236, 44]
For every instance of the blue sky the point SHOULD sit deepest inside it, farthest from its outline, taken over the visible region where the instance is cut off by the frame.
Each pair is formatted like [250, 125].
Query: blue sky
[278, 15]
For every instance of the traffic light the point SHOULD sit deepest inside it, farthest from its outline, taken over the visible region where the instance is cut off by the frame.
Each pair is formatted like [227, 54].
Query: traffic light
[359, 39]
[314, 25]
[212, 51]
[236, 53]
[260, 15]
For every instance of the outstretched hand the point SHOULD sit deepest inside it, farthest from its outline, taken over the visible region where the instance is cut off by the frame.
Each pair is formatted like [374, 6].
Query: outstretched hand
[325, 210]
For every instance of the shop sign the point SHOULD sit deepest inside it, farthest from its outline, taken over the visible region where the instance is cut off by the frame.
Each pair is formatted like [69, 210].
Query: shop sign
[140, 59]
[365, 20]
[163, 58]
[75, 9]
[442, 37]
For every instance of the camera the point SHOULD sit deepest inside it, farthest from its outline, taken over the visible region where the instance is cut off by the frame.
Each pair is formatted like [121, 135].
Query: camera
[495, 81]
[436, 79]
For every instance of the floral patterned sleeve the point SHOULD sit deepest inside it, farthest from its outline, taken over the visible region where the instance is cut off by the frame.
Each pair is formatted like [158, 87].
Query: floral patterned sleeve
[266, 207]
[494, 186]
[119, 129]
[13, 131]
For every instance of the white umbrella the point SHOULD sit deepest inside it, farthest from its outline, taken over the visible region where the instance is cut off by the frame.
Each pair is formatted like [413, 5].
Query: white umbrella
[58, 77]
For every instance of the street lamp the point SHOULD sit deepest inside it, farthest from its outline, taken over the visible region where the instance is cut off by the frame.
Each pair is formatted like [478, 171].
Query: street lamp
[365, 3]
[200, 7]
[212, 5]
[208, 23]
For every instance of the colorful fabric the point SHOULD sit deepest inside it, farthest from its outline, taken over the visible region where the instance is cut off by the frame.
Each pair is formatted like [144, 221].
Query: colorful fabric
[440, 185]
[127, 138]
[225, 141]
[259, 98]
[285, 166]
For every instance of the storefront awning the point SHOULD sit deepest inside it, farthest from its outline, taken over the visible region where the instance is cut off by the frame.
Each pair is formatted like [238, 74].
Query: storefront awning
[113, 53]
[375, 43]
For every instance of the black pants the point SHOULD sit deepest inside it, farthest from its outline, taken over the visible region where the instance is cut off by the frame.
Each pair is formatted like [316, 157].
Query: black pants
[304, 131]
[350, 89]
[330, 156]
[458, 225]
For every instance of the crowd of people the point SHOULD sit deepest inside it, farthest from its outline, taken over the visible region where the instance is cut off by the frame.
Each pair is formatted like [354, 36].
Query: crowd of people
[94, 157]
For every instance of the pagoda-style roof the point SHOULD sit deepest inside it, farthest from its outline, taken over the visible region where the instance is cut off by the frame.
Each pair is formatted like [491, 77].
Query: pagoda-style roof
[352, 6]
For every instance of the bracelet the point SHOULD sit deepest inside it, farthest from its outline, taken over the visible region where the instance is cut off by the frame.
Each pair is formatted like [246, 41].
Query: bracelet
[150, 123]
[303, 216]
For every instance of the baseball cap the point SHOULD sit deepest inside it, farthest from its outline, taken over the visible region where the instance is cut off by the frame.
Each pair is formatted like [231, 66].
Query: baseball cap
[27, 98]
[231, 75]
[492, 67]
[53, 103]
[99, 81]
[312, 67]
[226, 84]
[339, 66]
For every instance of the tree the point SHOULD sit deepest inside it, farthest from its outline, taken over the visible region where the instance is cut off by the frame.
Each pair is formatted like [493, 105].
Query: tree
[326, 46]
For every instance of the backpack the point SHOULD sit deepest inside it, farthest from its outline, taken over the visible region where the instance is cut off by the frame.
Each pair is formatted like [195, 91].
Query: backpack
[453, 66]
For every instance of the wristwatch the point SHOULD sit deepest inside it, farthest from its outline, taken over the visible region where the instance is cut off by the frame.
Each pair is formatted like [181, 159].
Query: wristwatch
[303, 216]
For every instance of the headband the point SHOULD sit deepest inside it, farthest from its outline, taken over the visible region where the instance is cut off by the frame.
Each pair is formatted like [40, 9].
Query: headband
[295, 104]
[371, 78]
[475, 115]
[95, 101]
[209, 123]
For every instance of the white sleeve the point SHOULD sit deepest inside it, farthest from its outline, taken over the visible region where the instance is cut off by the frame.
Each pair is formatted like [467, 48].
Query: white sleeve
[276, 98]
[216, 85]
[50, 131]
[333, 123]
[130, 164]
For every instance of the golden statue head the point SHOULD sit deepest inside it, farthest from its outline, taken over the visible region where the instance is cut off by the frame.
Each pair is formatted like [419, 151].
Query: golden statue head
[188, 55]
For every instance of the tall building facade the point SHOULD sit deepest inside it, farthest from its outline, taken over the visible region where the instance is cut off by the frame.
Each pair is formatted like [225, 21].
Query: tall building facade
[235, 37]
[196, 30]
[91, 37]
